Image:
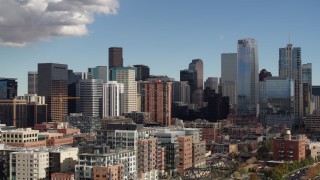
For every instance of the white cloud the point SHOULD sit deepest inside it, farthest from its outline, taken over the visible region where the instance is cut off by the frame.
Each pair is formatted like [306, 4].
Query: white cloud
[27, 21]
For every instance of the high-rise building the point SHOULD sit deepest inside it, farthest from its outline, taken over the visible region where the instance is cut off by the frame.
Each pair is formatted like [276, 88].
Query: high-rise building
[290, 67]
[115, 57]
[229, 76]
[91, 97]
[197, 66]
[73, 90]
[112, 101]
[247, 76]
[156, 100]
[307, 87]
[180, 92]
[13, 113]
[33, 82]
[264, 74]
[276, 101]
[212, 83]
[53, 84]
[142, 72]
[8, 88]
[99, 72]
[126, 75]
[36, 109]
[194, 76]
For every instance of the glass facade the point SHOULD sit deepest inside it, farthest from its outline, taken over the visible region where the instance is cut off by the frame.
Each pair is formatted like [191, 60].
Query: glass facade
[277, 101]
[247, 77]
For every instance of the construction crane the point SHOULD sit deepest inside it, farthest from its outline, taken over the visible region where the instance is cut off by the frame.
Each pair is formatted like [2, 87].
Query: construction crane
[61, 98]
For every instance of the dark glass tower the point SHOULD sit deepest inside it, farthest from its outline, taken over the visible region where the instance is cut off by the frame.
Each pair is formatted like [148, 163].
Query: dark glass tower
[8, 88]
[53, 84]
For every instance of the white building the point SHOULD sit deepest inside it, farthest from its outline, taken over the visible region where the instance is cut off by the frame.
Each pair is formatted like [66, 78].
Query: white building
[29, 165]
[112, 103]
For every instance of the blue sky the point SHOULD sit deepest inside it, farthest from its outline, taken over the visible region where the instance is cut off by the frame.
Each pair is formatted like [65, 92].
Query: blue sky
[166, 35]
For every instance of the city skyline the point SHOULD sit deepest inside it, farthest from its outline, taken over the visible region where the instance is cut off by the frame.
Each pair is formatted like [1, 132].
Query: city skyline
[166, 38]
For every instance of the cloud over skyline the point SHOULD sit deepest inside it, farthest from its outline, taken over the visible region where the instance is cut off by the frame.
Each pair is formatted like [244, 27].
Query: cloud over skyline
[24, 22]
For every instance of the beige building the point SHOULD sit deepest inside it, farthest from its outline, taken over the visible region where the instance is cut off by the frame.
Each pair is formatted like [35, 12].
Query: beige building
[29, 165]
[63, 159]
[23, 135]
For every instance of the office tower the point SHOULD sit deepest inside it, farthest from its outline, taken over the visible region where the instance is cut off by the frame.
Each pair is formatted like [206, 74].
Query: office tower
[142, 72]
[264, 74]
[53, 84]
[307, 87]
[33, 82]
[229, 76]
[8, 88]
[217, 106]
[194, 76]
[156, 100]
[99, 72]
[13, 113]
[290, 67]
[180, 92]
[276, 101]
[126, 75]
[197, 66]
[212, 83]
[248, 77]
[115, 57]
[73, 90]
[91, 97]
[112, 101]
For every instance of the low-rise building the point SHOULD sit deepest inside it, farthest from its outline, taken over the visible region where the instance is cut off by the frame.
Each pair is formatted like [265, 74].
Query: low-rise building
[62, 176]
[87, 163]
[289, 148]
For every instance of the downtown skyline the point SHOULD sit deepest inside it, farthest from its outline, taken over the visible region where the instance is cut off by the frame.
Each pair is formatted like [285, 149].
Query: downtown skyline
[166, 38]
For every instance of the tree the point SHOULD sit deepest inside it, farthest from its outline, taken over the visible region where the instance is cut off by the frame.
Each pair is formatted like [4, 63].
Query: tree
[264, 149]
[254, 176]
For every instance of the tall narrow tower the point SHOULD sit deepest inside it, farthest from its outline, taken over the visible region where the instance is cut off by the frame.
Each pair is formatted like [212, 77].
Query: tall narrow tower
[247, 76]
[290, 67]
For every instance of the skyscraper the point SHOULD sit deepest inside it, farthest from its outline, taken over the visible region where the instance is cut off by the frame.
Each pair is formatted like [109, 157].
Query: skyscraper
[247, 76]
[112, 104]
[142, 72]
[194, 76]
[212, 83]
[115, 57]
[307, 75]
[8, 88]
[197, 66]
[229, 76]
[91, 97]
[99, 72]
[32, 82]
[290, 67]
[53, 84]
[126, 75]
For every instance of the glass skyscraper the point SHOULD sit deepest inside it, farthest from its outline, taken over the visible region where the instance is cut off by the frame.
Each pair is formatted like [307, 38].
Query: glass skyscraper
[247, 76]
